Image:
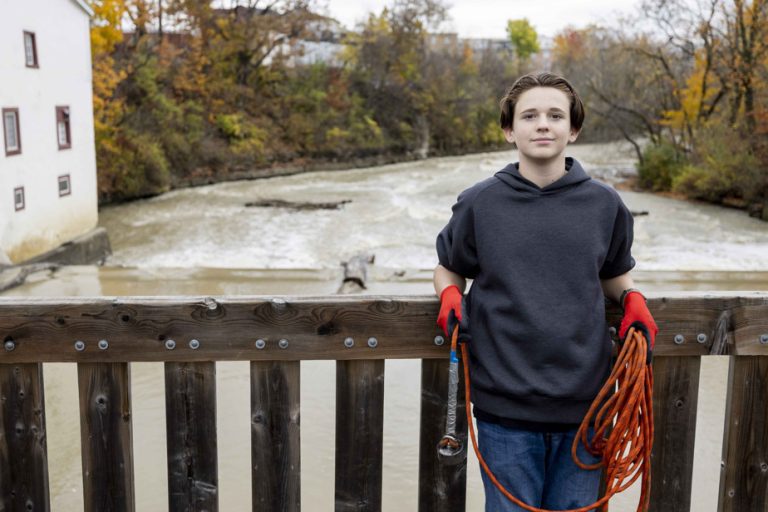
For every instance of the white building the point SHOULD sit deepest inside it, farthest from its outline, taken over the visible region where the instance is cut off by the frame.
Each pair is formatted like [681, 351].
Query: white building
[47, 154]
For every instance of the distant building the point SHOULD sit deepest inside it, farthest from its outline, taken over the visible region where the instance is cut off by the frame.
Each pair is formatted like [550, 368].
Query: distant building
[47, 159]
[480, 45]
[323, 42]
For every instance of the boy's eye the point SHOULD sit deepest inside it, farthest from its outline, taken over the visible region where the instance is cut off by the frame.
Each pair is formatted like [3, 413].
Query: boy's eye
[528, 116]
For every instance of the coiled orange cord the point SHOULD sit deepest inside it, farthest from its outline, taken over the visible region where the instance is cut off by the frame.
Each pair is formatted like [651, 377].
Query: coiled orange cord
[622, 415]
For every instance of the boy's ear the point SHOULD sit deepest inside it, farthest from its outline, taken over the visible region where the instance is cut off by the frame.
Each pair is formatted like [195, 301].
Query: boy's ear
[573, 136]
[509, 135]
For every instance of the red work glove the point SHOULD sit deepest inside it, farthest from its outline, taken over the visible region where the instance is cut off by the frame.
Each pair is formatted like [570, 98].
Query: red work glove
[636, 315]
[450, 309]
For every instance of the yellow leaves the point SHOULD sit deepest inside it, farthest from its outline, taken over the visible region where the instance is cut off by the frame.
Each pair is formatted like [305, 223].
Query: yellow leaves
[696, 96]
[373, 127]
[106, 30]
[336, 135]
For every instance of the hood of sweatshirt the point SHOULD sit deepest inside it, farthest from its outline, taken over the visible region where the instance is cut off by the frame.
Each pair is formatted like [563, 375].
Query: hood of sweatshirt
[574, 175]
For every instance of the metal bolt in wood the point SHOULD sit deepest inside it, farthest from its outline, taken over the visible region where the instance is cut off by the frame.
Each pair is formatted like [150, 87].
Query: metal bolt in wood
[103, 344]
[349, 342]
[170, 344]
[373, 342]
[679, 339]
[194, 344]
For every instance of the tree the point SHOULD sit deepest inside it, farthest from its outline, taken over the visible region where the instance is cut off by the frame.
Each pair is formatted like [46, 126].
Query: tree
[389, 59]
[523, 37]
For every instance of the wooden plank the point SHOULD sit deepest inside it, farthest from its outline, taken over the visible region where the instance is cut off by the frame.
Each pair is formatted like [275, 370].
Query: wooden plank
[675, 399]
[190, 412]
[137, 329]
[359, 435]
[750, 329]
[275, 436]
[744, 475]
[226, 329]
[106, 436]
[23, 453]
[442, 488]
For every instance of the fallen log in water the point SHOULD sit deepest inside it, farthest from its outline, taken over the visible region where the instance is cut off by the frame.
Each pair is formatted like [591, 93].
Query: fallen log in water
[13, 276]
[296, 205]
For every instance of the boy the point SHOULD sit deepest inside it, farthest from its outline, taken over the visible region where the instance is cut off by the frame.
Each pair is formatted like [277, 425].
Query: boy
[543, 243]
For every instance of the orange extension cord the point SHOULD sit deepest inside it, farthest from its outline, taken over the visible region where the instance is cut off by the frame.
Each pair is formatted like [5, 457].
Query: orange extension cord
[622, 415]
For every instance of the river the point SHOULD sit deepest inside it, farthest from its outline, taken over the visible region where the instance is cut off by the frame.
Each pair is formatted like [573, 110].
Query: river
[205, 241]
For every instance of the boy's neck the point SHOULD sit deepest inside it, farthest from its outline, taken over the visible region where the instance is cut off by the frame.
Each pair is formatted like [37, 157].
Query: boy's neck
[542, 173]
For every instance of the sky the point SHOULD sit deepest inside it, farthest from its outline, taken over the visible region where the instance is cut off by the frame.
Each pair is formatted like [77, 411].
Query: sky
[488, 18]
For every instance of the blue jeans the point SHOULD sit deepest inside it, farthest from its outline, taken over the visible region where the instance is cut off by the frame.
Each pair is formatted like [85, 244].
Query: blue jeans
[536, 467]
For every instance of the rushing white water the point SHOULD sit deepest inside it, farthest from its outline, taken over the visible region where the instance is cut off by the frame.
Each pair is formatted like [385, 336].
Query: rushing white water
[188, 242]
[395, 213]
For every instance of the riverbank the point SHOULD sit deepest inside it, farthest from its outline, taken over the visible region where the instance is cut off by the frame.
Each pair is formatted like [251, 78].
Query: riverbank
[207, 176]
[632, 184]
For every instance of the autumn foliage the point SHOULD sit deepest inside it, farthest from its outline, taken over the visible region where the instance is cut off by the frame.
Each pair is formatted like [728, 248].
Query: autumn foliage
[190, 91]
[687, 83]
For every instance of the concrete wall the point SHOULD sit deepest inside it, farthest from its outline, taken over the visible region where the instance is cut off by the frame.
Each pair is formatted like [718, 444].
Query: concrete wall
[63, 78]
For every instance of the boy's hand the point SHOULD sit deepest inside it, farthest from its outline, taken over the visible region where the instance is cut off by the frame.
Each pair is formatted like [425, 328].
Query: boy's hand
[450, 309]
[637, 315]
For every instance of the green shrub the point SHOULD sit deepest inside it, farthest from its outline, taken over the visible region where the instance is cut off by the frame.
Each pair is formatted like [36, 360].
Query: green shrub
[701, 183]
[726, 151]
[660, 165]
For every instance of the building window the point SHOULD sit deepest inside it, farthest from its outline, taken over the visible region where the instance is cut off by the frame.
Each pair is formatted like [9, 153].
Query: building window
[12, 131]
[30, 49]
[18, 198]
[63, 131]
[65, 188]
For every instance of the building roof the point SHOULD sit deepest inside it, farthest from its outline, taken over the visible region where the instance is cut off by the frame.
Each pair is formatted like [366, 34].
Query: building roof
[84, 6]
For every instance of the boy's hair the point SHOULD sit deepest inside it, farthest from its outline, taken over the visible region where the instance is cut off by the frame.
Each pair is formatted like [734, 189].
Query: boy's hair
[532, 80]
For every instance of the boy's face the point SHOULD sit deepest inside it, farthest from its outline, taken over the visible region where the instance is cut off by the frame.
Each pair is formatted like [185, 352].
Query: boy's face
[541, 126]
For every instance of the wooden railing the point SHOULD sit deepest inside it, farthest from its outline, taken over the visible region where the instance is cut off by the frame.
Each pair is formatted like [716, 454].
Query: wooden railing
[103, 335]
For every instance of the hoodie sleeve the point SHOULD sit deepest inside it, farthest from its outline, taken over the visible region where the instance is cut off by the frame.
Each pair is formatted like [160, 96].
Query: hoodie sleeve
[619, 259]
[456, 249]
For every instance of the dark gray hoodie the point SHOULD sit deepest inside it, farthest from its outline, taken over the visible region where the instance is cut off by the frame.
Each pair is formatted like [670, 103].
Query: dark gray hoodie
[540, 348]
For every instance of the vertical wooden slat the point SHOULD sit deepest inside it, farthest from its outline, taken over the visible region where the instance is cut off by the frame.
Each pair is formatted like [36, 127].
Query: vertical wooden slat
[359, 434]
[275, 436]
[190, 412]
[744, 475]
[675, 399]
[23, 454]
[106, 436]
[441, 487]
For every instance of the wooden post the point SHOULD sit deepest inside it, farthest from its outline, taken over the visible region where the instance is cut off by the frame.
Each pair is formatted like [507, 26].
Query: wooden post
[106, 436]
[23, 454]
[359, 435]
[190, 412]
[675, 399]
[441, 488]
[744, 474]
[275, 436]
